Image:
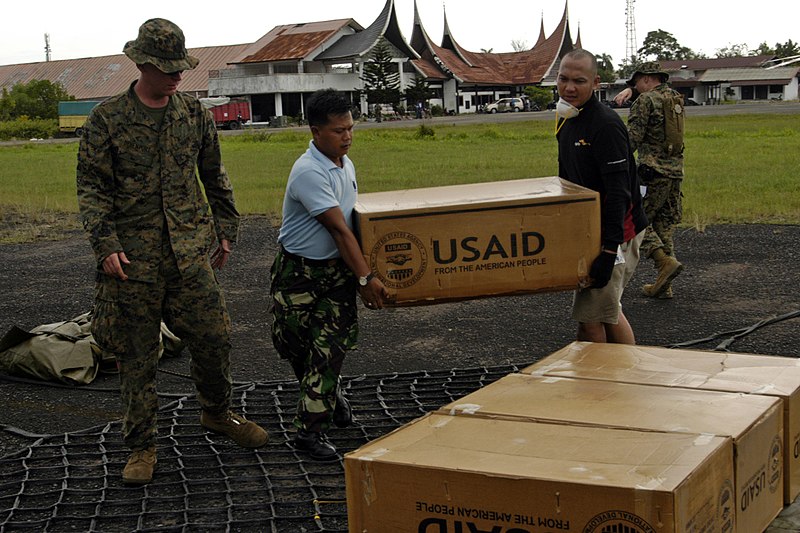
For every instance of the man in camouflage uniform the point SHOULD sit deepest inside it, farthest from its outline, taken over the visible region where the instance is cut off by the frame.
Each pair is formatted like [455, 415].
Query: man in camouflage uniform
[317, 271]
[151, 229]
[660, 170]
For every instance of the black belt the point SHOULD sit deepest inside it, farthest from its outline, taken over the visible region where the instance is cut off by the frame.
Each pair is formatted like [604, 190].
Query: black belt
[310, 262]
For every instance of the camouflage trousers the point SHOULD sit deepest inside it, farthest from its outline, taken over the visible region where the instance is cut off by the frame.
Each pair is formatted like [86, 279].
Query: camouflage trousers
[663, 205]
[315, 324]
[127, 322]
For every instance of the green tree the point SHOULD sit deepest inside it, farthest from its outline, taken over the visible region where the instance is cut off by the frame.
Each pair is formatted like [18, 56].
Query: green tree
[627, 68]
[787, 49]
[381, 77]
[605, 68]
[35, 99]
[734, 50]
[6, 106]
[418, 91]
[764, 50]
[660, 45]
[540, 96]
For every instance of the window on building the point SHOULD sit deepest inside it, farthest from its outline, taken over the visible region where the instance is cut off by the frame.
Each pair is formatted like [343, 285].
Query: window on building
[285, 68]
[341, 68]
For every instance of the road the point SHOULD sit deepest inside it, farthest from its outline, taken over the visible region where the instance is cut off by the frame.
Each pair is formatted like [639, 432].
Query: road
[466, 119]
[501, 118]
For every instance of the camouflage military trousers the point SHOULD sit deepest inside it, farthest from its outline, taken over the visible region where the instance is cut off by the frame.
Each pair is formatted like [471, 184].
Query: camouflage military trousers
[663, 206]
[127, 322]
[315, 324]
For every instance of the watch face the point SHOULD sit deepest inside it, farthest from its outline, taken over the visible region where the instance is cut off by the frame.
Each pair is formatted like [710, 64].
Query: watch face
[363, 281]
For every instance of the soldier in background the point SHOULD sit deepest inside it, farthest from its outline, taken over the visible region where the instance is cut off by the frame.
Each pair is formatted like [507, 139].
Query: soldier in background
[660, 168]
[151, 229]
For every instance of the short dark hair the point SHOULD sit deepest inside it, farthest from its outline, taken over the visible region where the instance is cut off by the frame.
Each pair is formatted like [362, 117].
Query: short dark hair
[579, 53]
[323, 103]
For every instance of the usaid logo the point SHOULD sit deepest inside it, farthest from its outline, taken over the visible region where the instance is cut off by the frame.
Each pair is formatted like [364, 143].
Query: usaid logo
[618, 522]
[399, 258]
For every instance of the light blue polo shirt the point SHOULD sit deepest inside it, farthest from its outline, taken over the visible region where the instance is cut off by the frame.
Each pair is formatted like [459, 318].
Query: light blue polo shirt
[315, 185]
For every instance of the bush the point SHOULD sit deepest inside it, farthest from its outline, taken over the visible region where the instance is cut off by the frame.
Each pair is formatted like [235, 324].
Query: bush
[539, 96]
[437, 110]
[424, 132]
[23, 129]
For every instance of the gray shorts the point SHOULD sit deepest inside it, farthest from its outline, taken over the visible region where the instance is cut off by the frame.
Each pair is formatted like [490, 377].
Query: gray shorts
[603, 305]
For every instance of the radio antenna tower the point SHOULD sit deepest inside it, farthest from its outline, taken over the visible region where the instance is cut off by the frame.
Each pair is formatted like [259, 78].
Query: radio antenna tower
[47, 47]
[630, 34]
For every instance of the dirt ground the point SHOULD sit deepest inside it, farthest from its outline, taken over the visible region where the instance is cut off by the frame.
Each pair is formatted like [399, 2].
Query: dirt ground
[736, 276]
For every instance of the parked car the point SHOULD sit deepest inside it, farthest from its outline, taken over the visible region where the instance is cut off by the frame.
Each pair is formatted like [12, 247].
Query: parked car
[505, 105]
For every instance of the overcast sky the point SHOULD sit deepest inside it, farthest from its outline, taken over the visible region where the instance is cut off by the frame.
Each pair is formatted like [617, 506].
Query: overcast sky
[94, 28]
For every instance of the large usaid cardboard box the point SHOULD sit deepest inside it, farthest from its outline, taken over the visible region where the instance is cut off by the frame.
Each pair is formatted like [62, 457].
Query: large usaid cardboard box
[456, 242]
[755, 423]
[721, 371]
[443, 473]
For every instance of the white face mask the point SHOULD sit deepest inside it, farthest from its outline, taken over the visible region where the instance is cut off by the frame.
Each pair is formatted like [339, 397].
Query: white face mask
[566, 110]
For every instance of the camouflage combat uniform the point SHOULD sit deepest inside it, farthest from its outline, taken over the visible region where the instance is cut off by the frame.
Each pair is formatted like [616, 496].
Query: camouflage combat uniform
[660, 172]
[315, 325]
[139, 193]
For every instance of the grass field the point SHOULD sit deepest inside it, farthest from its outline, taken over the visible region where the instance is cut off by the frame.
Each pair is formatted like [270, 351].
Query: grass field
[739, 168]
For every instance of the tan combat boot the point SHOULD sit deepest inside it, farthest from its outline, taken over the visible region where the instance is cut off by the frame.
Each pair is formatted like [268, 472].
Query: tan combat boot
[647, 290]
[244, 432]
[139, 470]
[668, 267]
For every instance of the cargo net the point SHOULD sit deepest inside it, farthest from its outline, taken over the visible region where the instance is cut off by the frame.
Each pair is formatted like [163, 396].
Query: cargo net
[205, 482]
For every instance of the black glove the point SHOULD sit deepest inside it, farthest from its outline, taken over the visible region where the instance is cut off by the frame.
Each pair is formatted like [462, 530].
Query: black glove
[601, 270]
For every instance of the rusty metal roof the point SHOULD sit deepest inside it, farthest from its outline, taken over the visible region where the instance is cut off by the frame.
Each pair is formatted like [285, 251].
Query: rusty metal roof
[426, 66]
[95, 78]
[509, 68]
[295, 41]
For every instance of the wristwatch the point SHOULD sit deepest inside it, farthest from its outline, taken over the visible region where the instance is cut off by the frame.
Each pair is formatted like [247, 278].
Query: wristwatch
[364, 280]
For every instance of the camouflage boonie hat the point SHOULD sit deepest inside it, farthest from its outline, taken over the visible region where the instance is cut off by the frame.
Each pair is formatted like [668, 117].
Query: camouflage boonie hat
[651, 67]
[161, 43]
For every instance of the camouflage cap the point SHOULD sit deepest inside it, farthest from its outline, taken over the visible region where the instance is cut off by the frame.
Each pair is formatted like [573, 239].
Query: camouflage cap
[161, 43]
[651, 67]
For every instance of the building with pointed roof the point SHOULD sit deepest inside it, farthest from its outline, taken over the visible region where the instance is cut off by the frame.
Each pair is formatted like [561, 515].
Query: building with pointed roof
[323, 54]
[468, 80]
[281, 69]
[333, 54]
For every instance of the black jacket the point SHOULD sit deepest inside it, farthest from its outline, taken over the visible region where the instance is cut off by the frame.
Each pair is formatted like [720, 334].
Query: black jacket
[595, 152]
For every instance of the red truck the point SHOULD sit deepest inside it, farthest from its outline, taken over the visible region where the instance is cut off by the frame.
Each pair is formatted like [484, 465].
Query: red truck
[228, 113]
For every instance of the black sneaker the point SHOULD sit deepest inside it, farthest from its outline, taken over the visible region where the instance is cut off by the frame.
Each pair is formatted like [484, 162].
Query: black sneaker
[316, 444]
[343, 412]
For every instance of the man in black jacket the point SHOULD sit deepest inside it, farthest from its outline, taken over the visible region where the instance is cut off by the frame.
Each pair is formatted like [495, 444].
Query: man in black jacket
[594, 151]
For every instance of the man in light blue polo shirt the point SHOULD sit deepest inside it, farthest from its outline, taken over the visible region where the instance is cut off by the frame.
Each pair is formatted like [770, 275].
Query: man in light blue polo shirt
[317, 272]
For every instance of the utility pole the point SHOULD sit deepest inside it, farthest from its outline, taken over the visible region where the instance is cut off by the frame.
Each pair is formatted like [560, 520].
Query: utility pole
[630, 34]
[47, 47]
